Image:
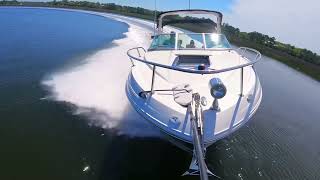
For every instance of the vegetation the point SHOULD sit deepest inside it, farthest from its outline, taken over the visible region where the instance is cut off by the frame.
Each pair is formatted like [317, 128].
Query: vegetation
[298, 58]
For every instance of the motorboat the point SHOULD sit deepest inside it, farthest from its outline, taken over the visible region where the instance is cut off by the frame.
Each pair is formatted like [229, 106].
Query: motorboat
[195, 87]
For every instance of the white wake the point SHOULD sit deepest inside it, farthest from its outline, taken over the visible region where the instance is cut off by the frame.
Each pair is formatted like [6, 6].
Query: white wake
[97, 87]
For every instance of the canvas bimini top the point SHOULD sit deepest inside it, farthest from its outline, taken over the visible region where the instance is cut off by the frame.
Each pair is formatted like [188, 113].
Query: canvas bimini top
[161, 16]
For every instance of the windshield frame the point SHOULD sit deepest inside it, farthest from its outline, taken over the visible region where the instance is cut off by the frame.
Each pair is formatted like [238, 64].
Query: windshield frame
[162, 15]
[203, 41]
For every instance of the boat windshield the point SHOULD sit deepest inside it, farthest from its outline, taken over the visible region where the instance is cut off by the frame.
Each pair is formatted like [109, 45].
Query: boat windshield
[164, 41]
[190, 41]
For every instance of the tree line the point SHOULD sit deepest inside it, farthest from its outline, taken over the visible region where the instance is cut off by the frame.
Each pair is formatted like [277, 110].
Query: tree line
[286, 53]
[235, 34]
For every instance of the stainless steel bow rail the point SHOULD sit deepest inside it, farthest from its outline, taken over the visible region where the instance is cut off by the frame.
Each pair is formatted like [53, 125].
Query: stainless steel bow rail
[242, 50]
[198, 165]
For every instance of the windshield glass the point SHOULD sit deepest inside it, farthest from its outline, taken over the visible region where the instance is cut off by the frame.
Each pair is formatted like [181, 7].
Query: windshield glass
[164, 41]
[190, 41]
[216, 41]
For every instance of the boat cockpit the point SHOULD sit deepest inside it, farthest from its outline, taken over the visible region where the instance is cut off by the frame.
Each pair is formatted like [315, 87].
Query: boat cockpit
[190, 41]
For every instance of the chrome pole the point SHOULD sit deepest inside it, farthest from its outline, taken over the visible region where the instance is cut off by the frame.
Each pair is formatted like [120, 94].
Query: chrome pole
[196, 120]
[155, 17]
[132, 62]
[138, 52]
[241, 82]
[152, 81]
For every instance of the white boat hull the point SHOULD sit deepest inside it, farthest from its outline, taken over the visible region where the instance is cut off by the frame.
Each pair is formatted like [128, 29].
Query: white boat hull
[158, 113]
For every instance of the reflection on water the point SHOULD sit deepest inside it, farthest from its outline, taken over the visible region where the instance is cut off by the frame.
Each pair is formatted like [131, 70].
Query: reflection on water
[281, 140]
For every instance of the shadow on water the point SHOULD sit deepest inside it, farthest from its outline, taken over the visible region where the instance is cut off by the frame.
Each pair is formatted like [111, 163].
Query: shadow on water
[131, 157]
[143, 158]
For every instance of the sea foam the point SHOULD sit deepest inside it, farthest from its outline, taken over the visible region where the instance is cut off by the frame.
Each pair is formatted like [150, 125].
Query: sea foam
[97, 87]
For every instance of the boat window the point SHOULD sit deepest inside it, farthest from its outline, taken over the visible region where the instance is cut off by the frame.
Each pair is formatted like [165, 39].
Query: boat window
[164, 41]
[216, 41]
[190, 41]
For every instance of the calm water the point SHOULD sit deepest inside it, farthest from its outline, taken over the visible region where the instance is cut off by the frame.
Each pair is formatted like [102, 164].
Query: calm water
[42, 139]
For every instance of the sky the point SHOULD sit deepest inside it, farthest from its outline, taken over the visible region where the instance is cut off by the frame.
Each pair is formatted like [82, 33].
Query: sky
[163, 5]
[290, 21]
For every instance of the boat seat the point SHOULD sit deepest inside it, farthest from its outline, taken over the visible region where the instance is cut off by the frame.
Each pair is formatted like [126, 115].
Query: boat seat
[182, 94]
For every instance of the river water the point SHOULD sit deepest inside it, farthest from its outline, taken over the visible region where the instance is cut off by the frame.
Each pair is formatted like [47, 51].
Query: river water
[64, 114]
